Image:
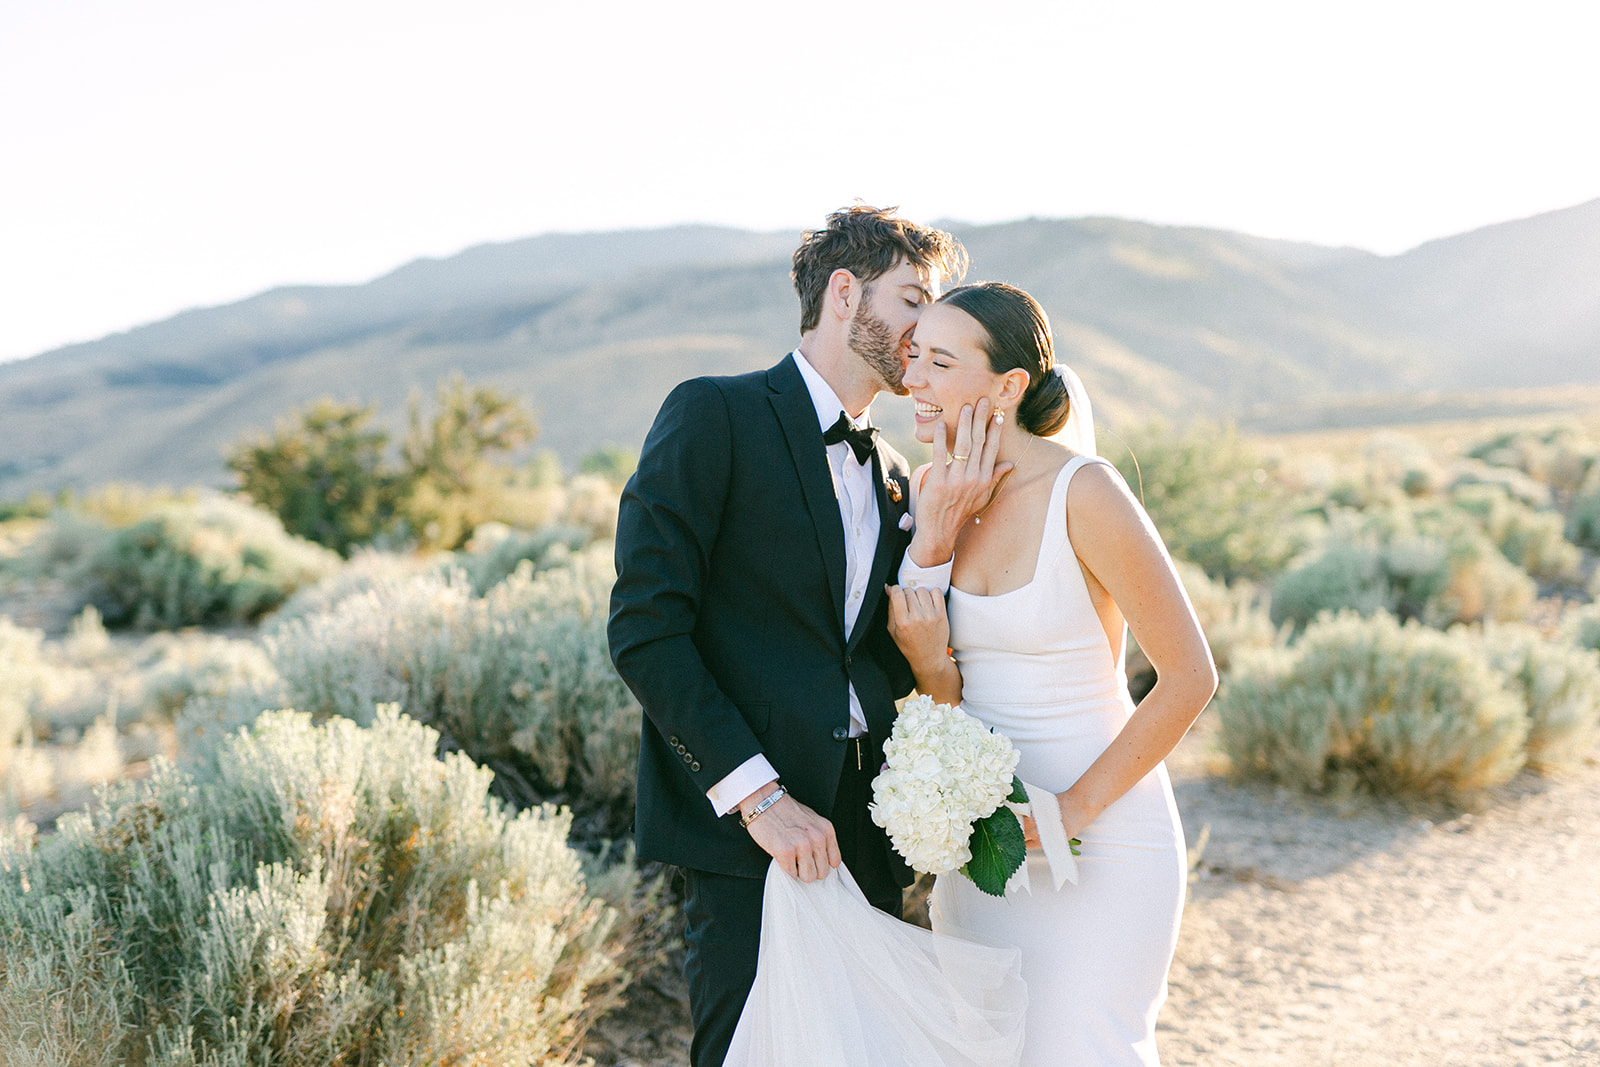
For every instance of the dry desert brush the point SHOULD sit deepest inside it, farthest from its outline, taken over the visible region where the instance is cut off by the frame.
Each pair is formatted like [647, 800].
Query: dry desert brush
[1428, 563]
[1559, 685]
[212, 561]
[320, 895]
[1369, 703]
[519, 678]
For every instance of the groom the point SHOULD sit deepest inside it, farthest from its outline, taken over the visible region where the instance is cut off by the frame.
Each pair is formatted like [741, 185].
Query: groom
[754, 543]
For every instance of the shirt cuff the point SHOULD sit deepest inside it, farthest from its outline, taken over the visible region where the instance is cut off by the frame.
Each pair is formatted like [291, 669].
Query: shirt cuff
[915, 577]
[745, 779]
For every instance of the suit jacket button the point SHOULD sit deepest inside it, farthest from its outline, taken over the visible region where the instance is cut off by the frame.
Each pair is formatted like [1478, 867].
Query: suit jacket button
[695, 766]
[840, 733]
[675, 743]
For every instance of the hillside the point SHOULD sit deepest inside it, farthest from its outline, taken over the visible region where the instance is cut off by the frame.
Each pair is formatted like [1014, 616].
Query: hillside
[593, 329]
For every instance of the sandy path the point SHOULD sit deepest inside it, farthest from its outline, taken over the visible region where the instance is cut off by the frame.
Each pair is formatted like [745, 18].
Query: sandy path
[1355, 933]
[1376, 937]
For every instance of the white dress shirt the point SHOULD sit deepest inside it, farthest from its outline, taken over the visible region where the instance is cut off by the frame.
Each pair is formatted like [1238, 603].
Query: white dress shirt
[858, 510]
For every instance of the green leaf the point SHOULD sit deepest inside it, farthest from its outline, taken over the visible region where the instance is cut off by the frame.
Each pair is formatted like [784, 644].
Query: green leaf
[998, 849]
[1019, 795]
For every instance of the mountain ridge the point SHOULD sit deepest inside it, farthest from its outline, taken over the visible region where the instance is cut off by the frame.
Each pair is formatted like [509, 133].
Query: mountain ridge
[593, 329]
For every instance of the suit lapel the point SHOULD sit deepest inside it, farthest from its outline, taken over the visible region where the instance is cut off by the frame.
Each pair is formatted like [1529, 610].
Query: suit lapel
[798, 417]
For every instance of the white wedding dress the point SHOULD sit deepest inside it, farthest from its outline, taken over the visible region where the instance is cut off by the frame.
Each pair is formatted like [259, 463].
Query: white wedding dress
[1037, 666]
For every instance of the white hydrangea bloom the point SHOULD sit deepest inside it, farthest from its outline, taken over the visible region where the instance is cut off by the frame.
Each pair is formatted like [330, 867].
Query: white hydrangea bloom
[946, 771]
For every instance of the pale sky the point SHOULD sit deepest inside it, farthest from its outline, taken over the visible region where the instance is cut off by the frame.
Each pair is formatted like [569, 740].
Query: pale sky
[179, 153]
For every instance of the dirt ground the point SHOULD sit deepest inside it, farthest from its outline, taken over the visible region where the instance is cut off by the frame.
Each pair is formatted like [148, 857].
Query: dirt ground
[1347, 933]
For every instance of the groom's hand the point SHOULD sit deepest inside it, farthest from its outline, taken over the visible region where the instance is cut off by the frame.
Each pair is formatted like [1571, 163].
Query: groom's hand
[955, 491]
[802, 841]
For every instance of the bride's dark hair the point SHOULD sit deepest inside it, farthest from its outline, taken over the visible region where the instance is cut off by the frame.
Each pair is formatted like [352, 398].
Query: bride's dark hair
[1017, 336]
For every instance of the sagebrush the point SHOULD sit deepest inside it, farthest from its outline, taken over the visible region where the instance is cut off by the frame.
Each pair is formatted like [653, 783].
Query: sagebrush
[1369, 703]
[1559, 685]
[322, 895]
[1428, 563]
[520, 677]
[1216, 500]
[217, 560]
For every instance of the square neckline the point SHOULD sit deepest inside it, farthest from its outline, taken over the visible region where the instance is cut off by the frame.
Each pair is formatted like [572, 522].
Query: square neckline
[1074, 464]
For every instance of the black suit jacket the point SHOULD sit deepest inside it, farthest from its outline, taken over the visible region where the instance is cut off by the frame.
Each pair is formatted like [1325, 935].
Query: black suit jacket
[727, 619]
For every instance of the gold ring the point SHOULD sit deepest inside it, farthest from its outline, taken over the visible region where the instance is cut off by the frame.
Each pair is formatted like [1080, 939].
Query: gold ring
[961, 458]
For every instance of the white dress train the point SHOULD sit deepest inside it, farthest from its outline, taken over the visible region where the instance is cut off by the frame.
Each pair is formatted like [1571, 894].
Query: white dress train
[1037, 666]
[841, 983]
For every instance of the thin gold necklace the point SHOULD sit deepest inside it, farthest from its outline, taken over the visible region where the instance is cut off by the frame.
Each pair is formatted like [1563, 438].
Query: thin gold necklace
[977, 518]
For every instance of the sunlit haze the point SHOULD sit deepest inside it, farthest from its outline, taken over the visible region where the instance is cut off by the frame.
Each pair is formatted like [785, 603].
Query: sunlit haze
[177, 153]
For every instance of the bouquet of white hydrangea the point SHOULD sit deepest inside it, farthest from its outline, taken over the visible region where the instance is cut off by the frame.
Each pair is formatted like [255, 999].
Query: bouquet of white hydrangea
[943, 796]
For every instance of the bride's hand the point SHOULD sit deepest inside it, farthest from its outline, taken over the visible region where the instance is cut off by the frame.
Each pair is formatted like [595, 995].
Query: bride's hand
[953, 492]
[1030, 832]
[918, 624]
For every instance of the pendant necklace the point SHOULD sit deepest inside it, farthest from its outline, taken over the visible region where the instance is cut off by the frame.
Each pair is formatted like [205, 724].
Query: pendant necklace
[977, 519]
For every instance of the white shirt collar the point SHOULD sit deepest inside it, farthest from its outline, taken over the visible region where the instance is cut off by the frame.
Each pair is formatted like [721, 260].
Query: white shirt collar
[823, 397]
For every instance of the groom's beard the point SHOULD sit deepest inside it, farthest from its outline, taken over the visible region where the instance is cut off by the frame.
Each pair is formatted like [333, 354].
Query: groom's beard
[872, 340]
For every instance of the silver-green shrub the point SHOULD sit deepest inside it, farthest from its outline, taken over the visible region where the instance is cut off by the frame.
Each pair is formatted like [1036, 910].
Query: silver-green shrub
[519, 678]
[1217, 501]
[1561, 458]
[1427, 563]
[395, 641]
[21, 674]
[1582, 627]
[322, 895]
[1519, 486]
[58, 732]
[1532, 539]
[1559, 685]
[217, 560]
[1583, 520]
[1370, 703]
[496, 551]
[569, 712]
[180, 668]
[365, 569]
[1343, 577]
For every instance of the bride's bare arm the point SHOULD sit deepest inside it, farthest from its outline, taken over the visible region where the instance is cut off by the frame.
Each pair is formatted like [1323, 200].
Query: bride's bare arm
[1122, 552]
[918, 624]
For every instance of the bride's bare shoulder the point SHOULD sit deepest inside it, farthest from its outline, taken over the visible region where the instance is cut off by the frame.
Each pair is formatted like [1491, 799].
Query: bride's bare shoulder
[1098, 496]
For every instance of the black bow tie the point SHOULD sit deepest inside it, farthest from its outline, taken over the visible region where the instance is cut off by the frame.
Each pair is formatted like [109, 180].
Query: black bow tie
[862, 442]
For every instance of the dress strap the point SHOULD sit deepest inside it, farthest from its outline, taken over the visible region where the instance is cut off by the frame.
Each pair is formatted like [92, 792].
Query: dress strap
[1058, 497]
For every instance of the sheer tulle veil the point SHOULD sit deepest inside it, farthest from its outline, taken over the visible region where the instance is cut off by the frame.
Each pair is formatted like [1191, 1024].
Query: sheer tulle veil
[1078, 433]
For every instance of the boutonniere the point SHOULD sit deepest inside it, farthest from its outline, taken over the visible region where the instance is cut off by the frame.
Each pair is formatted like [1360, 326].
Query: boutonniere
[891, 486]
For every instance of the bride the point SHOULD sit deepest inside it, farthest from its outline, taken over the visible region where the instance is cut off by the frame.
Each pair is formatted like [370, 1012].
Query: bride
[1043, 579]
[1047, 560]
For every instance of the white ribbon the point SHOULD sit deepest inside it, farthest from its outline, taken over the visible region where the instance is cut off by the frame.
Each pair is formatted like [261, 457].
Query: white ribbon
[1046, 811]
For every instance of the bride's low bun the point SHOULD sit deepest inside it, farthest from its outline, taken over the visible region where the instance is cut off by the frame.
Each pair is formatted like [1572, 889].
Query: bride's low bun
[1019, 339]
[1044, 408]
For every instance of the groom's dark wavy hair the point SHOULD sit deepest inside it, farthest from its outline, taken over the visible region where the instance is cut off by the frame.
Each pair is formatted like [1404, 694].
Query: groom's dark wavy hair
[868, 242]
[1018, 337]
